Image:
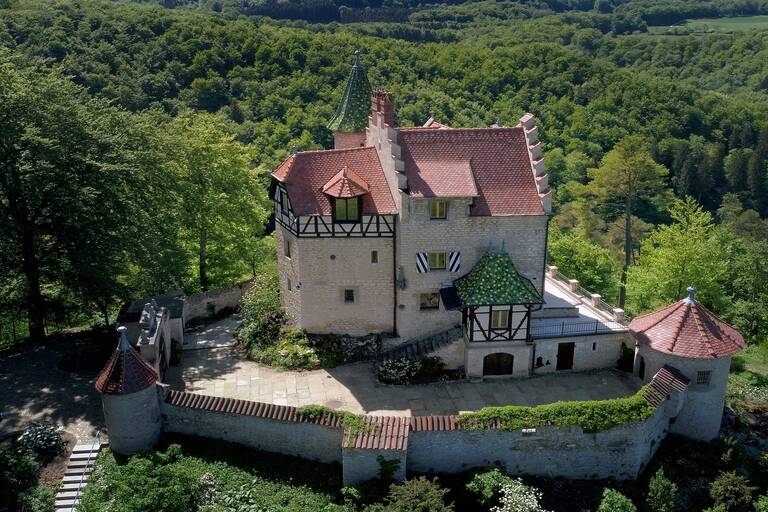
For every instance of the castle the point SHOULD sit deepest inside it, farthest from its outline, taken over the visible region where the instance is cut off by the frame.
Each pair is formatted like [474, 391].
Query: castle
[435, 237]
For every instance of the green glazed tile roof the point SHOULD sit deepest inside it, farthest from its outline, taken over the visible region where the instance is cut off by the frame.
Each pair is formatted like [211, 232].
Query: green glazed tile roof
[495, 280]
[355, 107]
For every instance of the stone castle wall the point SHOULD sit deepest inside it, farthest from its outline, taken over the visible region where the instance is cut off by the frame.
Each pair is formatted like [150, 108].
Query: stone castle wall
[320, 269]
[211, 303]
[524, 239]
[590, 352]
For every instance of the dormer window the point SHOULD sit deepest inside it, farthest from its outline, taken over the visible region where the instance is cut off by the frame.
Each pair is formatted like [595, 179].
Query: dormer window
[345, 191]
[346, 210]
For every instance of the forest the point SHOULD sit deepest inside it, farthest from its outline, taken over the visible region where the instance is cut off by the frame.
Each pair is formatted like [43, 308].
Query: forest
[138, 137]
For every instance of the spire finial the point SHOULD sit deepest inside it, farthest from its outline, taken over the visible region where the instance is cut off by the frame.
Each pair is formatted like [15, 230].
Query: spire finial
[123, 345]
[691, 298]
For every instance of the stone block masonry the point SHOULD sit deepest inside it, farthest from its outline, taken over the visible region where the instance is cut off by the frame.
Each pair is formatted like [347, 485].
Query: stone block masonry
[424, 444]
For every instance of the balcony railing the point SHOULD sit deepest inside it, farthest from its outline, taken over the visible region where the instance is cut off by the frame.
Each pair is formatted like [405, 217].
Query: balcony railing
[584, 294]
[554, 329]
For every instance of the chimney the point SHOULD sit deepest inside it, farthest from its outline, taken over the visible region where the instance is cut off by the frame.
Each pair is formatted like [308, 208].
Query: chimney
[383, 101]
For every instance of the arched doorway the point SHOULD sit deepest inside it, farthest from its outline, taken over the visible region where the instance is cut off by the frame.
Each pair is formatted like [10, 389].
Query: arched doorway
[641, 371]
[498, 364]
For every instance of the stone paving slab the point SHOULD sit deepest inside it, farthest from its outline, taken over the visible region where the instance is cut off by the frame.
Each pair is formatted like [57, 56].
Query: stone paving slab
[353, 387]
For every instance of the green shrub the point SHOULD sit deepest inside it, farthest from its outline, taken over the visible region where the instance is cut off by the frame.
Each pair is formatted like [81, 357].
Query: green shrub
[518, 497]
[614, 501]
[43, 438]
[732, 491]
[39, 498]
[353, 423]
[415, 495]
[592, 416]
[18, 473]
[432, 368]
[487, 484]
[292, 351]
[662, 493]
[761, 505]
[263, 316]
[399, 371]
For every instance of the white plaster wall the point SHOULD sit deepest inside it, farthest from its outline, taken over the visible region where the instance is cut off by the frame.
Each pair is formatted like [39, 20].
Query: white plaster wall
[328, 266]
[475, 352]
[606, 352]
[621, 452]
[133, 421]
[452, 354]
[702, 411]
[306, 440]
[524, 238]
[360, 465]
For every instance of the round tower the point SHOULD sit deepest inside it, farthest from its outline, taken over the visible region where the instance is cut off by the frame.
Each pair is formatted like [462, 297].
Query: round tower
[690, 338]
[130, 400]
[351, 118]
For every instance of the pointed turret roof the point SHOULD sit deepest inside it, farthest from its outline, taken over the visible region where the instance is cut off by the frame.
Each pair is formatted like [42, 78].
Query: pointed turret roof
[355, 107]
[126, 372]
[687, 329]
[495, 280]
[346, 183]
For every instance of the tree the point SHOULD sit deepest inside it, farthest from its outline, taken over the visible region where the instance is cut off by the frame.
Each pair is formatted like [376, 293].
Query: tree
[580, 259]
[415, 495]
[687, 252]
[732, 492]
[662, 493]
[627, 173]
[614, 501]
[222, 201]
[756, 172]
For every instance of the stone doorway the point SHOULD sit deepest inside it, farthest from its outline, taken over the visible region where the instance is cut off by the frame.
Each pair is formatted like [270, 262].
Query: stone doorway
[565, 356]
[498, 364]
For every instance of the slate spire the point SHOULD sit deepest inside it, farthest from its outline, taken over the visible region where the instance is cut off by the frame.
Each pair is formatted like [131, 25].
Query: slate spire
[355, 107]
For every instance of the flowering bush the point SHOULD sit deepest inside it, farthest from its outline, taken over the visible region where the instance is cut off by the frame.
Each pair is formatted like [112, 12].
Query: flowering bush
[518, 497]
[43, 438]
[399, 371]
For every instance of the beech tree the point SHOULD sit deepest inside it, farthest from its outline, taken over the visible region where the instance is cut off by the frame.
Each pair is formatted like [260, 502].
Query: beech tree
[222, 202]
[627, 173]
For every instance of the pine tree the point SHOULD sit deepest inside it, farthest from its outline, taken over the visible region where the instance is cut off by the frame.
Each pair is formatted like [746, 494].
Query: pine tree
[662, 493]
[756, 172]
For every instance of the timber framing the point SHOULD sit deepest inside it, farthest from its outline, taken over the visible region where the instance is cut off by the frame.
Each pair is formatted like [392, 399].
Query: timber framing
[472, 320]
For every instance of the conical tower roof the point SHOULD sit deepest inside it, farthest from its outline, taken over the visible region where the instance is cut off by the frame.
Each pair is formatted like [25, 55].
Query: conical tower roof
[126, 372]
[355, 107]
[687, 329]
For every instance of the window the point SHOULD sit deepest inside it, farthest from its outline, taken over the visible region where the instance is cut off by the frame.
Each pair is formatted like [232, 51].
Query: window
[289, 284]
[287, 247]
[500, 319]
[430, 300]
[594, 346]
[702, 378]
[349, 296]
[283, 202]
[437, 209]
[346, 210]
[374, 256]
[436, 261]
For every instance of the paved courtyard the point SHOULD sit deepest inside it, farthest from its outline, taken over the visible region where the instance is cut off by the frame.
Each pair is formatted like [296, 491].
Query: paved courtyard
[353, 387]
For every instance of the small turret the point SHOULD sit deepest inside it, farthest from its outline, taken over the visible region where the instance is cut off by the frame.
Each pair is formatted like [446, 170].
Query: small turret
[129, 398]
[351, 117]
[694, 341]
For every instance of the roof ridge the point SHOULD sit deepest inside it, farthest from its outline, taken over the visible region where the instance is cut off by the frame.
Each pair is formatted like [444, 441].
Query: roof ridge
[334, 150]
[672, 307]
[702, 331]
[679, 326]
[458, 131]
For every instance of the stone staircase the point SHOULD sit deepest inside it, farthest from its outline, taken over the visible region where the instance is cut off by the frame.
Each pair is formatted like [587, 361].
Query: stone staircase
[420, 347]
[76, 476]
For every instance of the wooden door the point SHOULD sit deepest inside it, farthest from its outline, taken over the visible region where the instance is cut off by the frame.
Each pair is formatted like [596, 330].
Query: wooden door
[498, 364]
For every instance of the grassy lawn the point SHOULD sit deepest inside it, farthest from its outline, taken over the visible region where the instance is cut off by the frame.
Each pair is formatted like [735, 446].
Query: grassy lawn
[748, 381]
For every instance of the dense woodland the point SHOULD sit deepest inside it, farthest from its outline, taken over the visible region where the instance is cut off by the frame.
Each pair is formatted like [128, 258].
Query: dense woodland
[137, 139]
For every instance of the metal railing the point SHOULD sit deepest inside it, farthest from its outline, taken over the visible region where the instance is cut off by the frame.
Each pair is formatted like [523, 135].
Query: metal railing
[581, 292]
[576, 328]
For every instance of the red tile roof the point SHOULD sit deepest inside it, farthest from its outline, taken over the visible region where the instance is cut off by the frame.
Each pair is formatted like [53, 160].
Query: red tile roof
[346, 183]
[434, 123]
[687, 329]
[125, 373]
[246, 408]
[306, 173]
[380, 433]
[490, 163]
[665, 380]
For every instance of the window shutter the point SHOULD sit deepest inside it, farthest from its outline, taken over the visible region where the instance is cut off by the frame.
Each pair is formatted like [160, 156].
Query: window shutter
[454, 261]
[422, 262]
